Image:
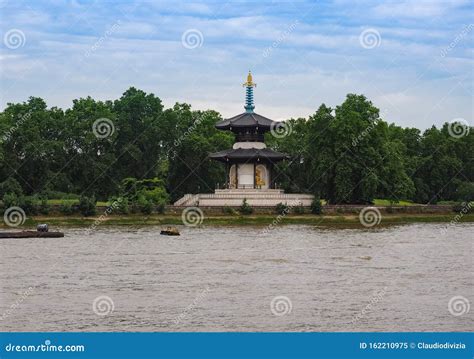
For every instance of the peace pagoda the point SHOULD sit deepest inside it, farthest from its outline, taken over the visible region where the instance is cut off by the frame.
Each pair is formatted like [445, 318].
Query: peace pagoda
[249, 164]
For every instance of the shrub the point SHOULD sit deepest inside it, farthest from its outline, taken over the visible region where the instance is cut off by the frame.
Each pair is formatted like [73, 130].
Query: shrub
[160, 208]
[245, 207]
[87, 206]
[123, 207]
[29, 204]
[466, 191]
[316, 206]
[299, 209]
[144, 195]
[152, 189]
[134, 208]
[119, 205]
[146, 207]
[229, 210]
[465, 207]
[144, 204]
[156, 195]
[282, 208]
[9, 200]
[66, 209]
[44, 206]
[10, 185]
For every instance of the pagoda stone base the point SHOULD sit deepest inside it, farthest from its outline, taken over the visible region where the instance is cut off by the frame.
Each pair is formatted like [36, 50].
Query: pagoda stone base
[254, 197]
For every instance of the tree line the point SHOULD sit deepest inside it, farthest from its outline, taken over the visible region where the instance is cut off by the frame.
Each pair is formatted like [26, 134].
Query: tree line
[106, 149]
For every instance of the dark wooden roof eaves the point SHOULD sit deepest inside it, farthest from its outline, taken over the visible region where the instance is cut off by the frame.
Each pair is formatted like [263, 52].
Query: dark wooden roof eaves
[246, 119]
[248, 154]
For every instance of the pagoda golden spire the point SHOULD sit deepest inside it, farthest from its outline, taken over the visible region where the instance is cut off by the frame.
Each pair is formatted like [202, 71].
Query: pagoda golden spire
[249, 82]
[249, 85]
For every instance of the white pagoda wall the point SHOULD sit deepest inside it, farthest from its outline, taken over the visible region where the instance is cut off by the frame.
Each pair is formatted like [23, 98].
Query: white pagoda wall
[245, 171]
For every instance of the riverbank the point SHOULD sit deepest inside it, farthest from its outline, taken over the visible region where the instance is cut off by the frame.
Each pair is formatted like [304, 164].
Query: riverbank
[261, 220]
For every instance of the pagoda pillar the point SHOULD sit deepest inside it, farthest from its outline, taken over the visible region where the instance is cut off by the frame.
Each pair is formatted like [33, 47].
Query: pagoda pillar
[270, 175]
[237, 176]
[254, 175]
[227, 175]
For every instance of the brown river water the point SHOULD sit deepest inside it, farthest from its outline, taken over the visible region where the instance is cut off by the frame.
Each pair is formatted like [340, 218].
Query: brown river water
[294, 278]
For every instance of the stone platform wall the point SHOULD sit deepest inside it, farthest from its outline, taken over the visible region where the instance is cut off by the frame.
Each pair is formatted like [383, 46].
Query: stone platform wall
[327, 209]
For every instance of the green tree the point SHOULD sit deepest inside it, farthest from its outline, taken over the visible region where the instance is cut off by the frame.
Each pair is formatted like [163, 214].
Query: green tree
[190, 169]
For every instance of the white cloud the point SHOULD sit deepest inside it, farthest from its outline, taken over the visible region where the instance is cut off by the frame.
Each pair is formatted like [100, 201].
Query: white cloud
[416, 8]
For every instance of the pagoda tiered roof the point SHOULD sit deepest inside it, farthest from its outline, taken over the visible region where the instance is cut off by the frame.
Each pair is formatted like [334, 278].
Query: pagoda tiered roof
[246, 154]
[246, 119]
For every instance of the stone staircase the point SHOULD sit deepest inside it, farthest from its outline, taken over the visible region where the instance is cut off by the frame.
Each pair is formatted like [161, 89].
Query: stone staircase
[235, 197]
[187, 200]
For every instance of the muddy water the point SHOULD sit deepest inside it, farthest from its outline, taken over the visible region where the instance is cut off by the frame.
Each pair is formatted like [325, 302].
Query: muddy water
[295, 278]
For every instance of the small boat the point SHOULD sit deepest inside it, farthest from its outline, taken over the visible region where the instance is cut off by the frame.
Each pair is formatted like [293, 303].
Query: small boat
[31, 234]
[170, 231]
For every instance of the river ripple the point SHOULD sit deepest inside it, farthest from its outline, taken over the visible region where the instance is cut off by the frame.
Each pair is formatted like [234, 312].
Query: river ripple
[397, 278]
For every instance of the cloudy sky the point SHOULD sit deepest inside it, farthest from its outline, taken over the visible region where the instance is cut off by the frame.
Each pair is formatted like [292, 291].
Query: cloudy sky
[413, 59]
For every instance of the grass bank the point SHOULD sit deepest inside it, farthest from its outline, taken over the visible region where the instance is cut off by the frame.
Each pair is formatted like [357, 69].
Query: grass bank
[262, 220]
